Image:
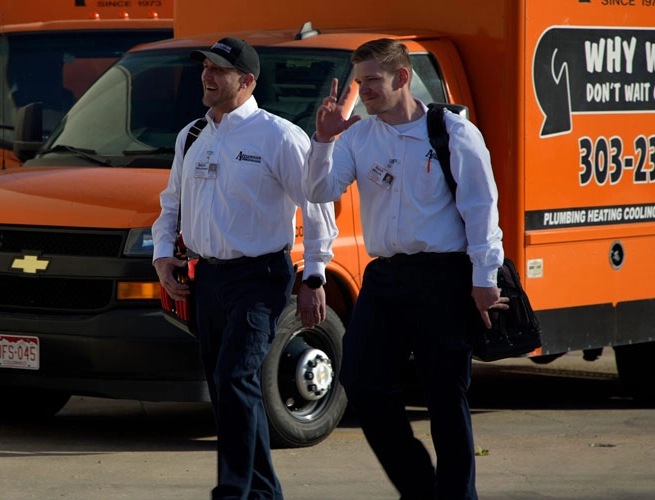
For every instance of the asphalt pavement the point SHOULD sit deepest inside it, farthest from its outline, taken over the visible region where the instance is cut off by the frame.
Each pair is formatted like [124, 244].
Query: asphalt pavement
[560, 431]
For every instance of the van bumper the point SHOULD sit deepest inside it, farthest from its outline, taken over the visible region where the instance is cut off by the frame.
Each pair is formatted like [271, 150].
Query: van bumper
[131, 353]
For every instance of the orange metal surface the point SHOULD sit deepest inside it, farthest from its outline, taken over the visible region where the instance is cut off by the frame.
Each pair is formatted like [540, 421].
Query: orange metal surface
[93, 197]
[20, 11]
[589, 135]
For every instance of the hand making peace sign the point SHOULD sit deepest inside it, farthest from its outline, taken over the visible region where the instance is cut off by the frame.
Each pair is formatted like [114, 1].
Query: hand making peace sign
[329, 117]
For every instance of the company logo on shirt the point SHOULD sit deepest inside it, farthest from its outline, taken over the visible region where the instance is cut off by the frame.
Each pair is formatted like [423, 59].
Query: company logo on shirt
[249, 158]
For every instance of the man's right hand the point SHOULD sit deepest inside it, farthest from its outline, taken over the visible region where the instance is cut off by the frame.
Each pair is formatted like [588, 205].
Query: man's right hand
[329, 117]
[165, 267]
[486, 299]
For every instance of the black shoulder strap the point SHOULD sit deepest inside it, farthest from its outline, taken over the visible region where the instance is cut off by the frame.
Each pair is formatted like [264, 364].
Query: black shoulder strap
[193, 134]
[194, 131]
[439, 141]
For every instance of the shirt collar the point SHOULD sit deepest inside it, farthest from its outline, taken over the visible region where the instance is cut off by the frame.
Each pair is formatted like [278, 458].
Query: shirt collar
[417, 129]
[235, 117]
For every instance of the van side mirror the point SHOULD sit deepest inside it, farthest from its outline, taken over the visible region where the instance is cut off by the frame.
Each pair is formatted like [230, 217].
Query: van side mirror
[28, 131]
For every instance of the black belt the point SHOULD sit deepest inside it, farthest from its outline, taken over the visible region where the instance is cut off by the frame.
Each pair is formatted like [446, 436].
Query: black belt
[243, 260]
[403, 258]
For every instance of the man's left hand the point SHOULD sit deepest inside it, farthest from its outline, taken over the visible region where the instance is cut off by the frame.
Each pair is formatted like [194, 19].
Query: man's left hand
[311, 305]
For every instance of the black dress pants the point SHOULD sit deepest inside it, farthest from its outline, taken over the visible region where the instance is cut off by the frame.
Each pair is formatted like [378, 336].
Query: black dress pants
[421, 304]
[238, 304]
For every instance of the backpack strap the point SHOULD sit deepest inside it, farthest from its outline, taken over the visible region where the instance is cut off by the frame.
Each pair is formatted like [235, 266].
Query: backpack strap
[191, 136]
[194, 132]
[439, 141]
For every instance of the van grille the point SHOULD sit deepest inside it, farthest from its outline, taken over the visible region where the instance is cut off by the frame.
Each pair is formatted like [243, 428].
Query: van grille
[58, 294]
[55, 294]
[47, 241]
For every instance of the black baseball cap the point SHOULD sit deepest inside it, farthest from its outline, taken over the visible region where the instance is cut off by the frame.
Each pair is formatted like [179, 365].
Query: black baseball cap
[231, 52]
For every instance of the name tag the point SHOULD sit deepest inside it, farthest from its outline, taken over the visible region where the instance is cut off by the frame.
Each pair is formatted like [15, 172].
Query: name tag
[381, 176]
[205, 170]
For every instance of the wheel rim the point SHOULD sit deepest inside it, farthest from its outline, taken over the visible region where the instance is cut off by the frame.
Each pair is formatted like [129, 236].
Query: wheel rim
[306, 377]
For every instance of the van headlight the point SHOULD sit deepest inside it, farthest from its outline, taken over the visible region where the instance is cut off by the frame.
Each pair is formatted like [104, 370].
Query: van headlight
[139, 243]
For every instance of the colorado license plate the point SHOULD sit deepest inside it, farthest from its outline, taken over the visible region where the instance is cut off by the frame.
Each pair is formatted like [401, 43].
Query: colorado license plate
[19, 352]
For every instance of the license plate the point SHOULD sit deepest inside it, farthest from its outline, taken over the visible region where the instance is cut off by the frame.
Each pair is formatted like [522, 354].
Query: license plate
[19, 352]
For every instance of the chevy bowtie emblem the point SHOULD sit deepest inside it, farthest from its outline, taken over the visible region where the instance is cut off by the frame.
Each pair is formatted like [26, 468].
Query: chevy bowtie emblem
[30, 264]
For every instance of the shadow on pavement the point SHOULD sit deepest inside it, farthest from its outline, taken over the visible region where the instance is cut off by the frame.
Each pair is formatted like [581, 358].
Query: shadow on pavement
[90, 425]
[94, 425]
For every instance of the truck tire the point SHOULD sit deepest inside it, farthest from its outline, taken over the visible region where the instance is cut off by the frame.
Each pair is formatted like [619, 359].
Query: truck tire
[24, 403]
[303, 397]
[634, 362]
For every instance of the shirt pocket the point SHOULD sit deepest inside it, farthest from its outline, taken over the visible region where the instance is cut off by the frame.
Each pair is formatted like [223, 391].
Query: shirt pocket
[244, 179]
[428, 177]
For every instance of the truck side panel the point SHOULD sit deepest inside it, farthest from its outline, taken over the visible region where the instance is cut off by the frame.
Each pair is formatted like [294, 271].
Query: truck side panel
[590, 172]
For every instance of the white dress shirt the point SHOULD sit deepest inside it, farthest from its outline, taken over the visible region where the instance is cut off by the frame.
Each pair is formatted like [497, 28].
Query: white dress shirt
[240, 186]
[415, 212]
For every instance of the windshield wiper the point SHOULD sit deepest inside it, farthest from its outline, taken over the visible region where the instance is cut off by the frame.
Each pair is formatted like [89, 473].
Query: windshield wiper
[145, 152]
[87, 154]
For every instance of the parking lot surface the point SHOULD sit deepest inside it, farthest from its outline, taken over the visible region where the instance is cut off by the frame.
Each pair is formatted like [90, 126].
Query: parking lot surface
[559, 431]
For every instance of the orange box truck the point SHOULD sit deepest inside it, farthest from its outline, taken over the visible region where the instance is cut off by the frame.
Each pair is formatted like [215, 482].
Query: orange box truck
[563, 93]
[51, 51]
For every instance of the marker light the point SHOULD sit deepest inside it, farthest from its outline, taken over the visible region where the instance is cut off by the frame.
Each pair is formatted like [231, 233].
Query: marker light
[138, 290]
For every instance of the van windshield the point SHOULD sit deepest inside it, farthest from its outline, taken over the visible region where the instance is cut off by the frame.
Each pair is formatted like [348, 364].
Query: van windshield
[56, 67]
[133, 113]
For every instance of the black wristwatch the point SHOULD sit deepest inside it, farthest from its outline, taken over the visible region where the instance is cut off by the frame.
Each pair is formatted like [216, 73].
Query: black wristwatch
[314, 282]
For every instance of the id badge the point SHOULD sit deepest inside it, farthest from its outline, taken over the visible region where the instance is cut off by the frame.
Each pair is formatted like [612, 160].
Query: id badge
[381, 176]
[205, 170]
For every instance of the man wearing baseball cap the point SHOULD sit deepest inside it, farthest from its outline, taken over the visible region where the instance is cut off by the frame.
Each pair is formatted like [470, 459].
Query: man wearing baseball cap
[231, 52]
[238, 188]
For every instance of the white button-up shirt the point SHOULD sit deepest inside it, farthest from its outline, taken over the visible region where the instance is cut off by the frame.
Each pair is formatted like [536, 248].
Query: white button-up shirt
[406, 205]
[240, 185]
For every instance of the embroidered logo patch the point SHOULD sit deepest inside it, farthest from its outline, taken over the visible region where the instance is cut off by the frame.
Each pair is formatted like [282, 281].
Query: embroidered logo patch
[249, 158]
[223, 47]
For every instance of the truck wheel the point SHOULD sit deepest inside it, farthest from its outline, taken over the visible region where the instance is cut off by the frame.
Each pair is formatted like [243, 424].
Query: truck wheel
[302, 394]
[634, 362]
[24, 403]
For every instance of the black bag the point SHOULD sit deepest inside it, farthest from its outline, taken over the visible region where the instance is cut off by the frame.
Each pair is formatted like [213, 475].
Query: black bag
[516, 331]
[513, 332]
[182, 313]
